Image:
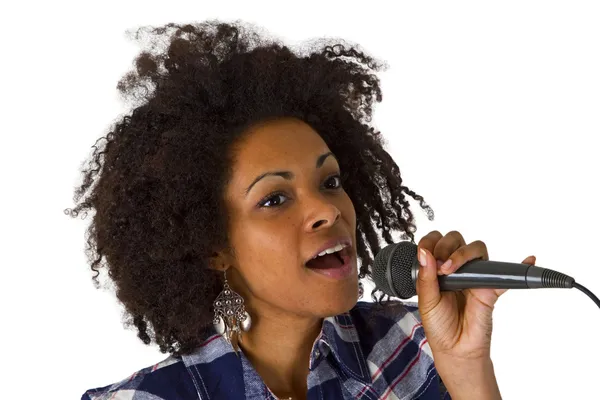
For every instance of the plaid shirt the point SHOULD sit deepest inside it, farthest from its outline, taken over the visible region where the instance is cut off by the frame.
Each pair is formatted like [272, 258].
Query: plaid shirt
[353, 358]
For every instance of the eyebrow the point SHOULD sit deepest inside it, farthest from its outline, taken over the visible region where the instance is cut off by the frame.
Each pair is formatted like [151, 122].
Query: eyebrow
[288, 174]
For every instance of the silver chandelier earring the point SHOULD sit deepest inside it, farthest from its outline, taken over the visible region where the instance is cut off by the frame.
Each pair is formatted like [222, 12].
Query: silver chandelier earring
[231, 318]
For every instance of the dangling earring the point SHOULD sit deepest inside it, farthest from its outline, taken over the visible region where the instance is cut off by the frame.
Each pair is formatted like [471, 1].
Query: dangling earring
[230, 315]
[361, 290]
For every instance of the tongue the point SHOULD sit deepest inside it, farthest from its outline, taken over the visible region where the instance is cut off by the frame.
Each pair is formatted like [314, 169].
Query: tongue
[325, 262]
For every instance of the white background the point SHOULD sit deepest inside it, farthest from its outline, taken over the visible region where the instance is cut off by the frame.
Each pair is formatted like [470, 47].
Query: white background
[491, 111]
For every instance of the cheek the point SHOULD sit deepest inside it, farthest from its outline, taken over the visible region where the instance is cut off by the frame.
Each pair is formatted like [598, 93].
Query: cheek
[269, 245]
[268, 258]
[274, 281]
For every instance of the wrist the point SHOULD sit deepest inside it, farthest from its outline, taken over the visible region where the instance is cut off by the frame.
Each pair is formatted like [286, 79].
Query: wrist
[469, 379]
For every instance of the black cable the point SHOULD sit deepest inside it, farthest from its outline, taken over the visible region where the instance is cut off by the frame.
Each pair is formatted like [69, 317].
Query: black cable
[586, 291]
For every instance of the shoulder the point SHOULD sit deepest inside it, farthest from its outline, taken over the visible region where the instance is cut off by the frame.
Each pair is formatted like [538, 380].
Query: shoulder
[168, 379]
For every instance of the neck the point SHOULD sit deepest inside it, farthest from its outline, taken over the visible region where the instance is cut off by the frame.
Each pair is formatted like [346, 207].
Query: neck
[279, 345]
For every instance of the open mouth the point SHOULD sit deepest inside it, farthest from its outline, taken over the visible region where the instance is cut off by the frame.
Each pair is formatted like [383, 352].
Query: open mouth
[330, 261]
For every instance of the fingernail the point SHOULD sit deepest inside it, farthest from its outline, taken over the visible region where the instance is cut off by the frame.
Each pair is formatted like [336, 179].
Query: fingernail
[422, 258]
[446, 266]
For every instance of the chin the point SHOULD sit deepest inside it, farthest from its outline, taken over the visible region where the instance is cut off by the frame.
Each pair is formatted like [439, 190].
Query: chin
[340, 301]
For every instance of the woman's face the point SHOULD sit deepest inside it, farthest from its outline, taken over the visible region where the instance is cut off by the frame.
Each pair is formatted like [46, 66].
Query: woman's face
[281, 222]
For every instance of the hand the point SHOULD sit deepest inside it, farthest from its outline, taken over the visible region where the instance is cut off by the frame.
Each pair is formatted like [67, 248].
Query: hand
[458, 325]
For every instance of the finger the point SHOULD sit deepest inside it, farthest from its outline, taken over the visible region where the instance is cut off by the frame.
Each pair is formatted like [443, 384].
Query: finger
[446, 246]
[464, 254]
[438, 265]
[428, 289]
[483, 296]
[529, 260]
[428, 242]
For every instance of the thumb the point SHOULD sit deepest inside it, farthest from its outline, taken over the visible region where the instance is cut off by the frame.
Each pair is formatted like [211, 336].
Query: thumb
[428, 289]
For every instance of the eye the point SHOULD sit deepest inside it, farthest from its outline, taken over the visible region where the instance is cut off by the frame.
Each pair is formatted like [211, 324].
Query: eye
[338, 178]
[278, 195]
[268, 200]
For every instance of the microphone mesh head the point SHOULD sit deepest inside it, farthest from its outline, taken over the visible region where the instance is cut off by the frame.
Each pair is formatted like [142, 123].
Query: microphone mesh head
[393, 268]
[380, 266]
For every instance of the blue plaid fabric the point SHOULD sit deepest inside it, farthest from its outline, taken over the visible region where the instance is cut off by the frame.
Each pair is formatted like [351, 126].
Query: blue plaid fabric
[361, 354]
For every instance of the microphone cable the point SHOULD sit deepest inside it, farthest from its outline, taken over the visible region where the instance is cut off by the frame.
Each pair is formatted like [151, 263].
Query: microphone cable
[588, 292]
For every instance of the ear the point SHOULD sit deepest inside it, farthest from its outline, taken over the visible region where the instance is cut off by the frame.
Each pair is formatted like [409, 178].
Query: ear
[220, 261]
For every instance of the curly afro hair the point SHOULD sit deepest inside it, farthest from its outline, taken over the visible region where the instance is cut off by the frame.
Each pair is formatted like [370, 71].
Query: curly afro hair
[156, 186]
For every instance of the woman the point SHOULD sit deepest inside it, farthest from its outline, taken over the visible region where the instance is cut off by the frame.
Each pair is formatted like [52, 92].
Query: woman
[236, 210]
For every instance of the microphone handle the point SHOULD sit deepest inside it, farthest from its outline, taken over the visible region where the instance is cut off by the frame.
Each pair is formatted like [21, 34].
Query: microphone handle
[503, 275]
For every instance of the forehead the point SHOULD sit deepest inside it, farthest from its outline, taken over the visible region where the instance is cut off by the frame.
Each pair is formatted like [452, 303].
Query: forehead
[278, 143]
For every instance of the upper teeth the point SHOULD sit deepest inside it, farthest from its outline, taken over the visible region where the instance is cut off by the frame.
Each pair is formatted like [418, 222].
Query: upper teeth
[331, 250]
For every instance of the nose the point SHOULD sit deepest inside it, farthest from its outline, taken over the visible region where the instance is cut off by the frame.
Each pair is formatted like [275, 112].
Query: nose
[324, 214]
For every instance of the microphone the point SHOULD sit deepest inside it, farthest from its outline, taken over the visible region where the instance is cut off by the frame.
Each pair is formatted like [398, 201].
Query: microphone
[396, 269]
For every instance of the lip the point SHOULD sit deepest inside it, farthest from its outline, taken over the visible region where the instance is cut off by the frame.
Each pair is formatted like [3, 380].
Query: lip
[341, 273]
[330, 243]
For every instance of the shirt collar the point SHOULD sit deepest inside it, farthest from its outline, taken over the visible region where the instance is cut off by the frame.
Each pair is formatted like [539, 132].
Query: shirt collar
[339, 334]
